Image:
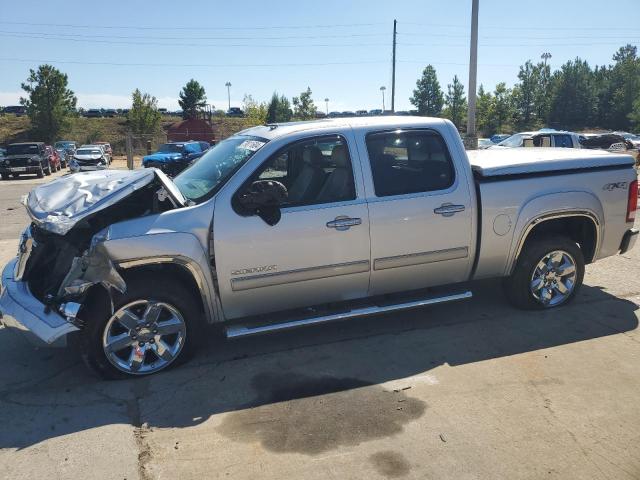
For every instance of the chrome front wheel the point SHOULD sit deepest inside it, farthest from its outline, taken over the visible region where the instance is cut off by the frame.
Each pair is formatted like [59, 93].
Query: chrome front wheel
[554, 278]
[144, 337]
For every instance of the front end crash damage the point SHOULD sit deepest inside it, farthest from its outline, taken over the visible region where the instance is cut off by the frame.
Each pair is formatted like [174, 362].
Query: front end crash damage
[62, 253]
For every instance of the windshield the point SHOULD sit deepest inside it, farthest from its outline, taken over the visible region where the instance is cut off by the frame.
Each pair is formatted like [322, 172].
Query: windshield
[63, 145]
[22, 149]
[170, 148]
[512, 141]
[87, 151]
[631, 136]
[207, 175]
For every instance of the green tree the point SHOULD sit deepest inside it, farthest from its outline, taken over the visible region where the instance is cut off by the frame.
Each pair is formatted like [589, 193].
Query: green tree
[427, 96]
[524, 96]
[279, 109]
[624, 86]
[573, 96]
[143, 116]
[304, 108]
[484, 112]
[634, 116]
[502, 106]
[541, 101]
[192, 98]
[255, 112]
[50, 103]
[456, 102]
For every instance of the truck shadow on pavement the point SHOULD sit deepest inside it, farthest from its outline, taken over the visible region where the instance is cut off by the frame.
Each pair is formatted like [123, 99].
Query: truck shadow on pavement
[306, 391]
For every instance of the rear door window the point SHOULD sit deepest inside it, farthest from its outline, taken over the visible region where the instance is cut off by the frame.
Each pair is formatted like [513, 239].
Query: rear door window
[409, 162]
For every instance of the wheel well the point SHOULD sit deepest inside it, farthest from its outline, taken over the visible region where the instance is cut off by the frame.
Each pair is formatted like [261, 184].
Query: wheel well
[172, 271]
[580, 229]
[98, 295]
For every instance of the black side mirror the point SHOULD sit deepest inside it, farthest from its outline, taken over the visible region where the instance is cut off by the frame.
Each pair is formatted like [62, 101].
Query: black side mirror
[263, 198]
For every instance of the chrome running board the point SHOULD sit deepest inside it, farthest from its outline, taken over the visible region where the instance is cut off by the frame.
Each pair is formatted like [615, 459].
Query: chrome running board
[239, 330]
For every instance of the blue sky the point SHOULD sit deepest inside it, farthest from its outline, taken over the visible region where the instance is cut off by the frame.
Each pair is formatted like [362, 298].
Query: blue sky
[341, 49]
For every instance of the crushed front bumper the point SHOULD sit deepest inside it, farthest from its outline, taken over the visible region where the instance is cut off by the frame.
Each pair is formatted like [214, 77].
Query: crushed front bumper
[628, 240]
[22, 312]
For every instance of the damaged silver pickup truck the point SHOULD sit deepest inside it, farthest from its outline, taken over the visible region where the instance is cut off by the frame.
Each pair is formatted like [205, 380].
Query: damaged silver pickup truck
[287, 225]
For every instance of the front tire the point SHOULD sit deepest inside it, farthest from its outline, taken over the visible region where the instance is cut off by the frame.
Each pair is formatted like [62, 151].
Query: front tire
[548, 274]
[40, 173]
[48, 170]
[5, 176]
[155, 327]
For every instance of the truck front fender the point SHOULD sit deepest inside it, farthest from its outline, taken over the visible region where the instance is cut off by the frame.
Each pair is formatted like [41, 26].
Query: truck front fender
[178, 248]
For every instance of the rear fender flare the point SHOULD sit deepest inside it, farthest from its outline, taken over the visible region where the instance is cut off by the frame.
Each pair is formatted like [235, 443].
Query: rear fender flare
[553, 206]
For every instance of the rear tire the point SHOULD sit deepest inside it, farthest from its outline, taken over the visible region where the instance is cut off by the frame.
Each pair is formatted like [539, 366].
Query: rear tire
[548, 274]
[102, 330]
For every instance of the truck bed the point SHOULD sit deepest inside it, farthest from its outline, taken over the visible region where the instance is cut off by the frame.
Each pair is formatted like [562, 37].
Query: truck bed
[496, 162]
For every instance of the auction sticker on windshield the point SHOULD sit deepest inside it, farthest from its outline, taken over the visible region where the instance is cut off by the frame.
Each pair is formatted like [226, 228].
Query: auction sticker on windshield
[251, 145]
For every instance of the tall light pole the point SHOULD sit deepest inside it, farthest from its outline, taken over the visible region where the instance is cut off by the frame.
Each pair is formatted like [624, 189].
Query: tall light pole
[326, 102]
[545, 56]
[228, 85]
[382, 89]
[473, 75]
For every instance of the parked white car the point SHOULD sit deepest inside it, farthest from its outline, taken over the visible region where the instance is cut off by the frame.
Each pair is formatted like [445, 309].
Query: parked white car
[541, 138]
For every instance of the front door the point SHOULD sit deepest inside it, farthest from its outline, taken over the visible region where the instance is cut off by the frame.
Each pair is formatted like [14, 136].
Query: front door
[319, 250]
[420, 212]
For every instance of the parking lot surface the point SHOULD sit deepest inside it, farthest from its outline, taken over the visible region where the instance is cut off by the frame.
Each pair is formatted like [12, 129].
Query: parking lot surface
[459, 391]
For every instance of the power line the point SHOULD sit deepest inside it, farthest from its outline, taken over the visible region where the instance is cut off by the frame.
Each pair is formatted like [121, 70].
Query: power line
[206, 65]
[41, 36]
[45, 36]
[229, 65]
[520, 28]
[191, 28]
[145, 37]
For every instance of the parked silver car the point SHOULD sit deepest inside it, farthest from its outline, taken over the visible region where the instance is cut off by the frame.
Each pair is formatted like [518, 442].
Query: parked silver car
[287, 225]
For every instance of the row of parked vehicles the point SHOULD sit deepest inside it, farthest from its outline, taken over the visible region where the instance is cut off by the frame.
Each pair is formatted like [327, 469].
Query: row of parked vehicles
[41, 159]
[617, 142]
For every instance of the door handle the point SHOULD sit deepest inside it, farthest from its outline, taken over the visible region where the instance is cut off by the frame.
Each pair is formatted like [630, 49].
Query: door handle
[448, 209]
[344, 223]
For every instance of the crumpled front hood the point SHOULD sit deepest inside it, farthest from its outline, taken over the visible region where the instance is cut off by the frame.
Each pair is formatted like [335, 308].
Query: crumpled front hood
[162, 157]
[58, 205]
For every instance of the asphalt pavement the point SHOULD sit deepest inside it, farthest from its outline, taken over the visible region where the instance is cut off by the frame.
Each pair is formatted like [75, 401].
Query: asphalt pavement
[472, 390]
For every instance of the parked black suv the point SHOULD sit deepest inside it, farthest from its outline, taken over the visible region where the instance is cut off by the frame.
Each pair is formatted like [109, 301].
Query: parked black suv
[25, 158]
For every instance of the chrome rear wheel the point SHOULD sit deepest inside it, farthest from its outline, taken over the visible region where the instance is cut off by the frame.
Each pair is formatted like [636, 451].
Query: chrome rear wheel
[144, 337]
[554, 278]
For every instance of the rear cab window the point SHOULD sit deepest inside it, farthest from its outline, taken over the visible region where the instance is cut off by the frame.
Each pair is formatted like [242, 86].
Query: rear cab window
[408, 162]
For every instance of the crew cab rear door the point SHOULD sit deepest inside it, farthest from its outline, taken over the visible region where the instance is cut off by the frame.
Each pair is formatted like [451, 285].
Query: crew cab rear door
[420, 211]
[318, 252]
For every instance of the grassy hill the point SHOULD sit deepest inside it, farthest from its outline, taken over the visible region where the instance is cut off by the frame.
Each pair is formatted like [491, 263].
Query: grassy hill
[112, 130]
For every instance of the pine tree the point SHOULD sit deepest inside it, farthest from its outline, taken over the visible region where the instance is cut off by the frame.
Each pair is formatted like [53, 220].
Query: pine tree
[49, 103]
[192, 99]
[456, 102]
[427, 96]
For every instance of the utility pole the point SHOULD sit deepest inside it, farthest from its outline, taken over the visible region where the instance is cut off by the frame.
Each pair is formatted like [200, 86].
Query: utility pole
[393, 69]
[472, 139]
[382, 89]
[228, 85]
[326, 102]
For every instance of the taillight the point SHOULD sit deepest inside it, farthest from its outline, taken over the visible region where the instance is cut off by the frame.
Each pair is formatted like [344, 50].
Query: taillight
[632, 202]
